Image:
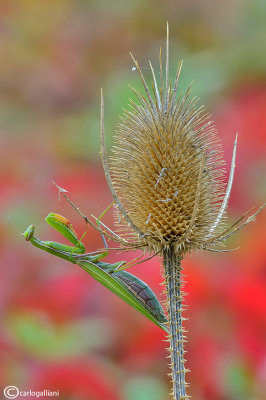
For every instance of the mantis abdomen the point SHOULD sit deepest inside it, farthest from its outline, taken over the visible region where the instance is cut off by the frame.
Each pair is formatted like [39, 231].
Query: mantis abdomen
[142, 292]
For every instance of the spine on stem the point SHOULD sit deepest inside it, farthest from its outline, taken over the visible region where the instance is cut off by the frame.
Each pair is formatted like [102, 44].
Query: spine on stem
[173, 280]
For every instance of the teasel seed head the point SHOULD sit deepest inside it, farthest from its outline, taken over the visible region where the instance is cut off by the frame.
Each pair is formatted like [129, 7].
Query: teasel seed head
[167, 167]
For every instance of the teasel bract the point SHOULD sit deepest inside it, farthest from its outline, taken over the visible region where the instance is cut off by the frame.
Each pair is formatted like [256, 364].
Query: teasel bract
[167, 179]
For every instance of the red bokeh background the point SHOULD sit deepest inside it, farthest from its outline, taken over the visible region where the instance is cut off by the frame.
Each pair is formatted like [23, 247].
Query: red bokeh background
[60, 330]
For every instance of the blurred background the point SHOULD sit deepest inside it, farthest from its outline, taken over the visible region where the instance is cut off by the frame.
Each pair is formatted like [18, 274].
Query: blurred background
[61, 330]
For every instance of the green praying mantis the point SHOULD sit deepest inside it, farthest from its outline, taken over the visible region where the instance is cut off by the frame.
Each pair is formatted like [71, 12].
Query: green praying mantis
[128, 287]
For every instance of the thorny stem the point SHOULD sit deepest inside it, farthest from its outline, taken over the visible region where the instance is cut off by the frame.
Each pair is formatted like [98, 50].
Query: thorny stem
[173, 280]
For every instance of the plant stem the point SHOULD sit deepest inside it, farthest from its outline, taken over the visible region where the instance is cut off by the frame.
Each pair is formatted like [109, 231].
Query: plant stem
[173, 279]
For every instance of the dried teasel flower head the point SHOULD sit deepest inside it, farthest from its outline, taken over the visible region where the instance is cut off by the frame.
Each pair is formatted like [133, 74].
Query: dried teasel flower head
[167, 169]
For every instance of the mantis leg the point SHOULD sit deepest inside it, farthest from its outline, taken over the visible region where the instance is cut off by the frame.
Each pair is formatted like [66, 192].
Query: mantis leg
[98, 224]
[63, 226]
[56, 250]
[108, 233]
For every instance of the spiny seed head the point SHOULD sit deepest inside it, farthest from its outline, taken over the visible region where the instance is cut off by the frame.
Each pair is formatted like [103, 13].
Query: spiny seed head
[167, 167]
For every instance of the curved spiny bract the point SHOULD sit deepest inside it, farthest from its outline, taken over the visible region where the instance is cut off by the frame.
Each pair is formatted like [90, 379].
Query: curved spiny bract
[167, 170]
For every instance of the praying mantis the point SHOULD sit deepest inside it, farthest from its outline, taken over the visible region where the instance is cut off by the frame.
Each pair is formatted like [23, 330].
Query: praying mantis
[128, 287]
